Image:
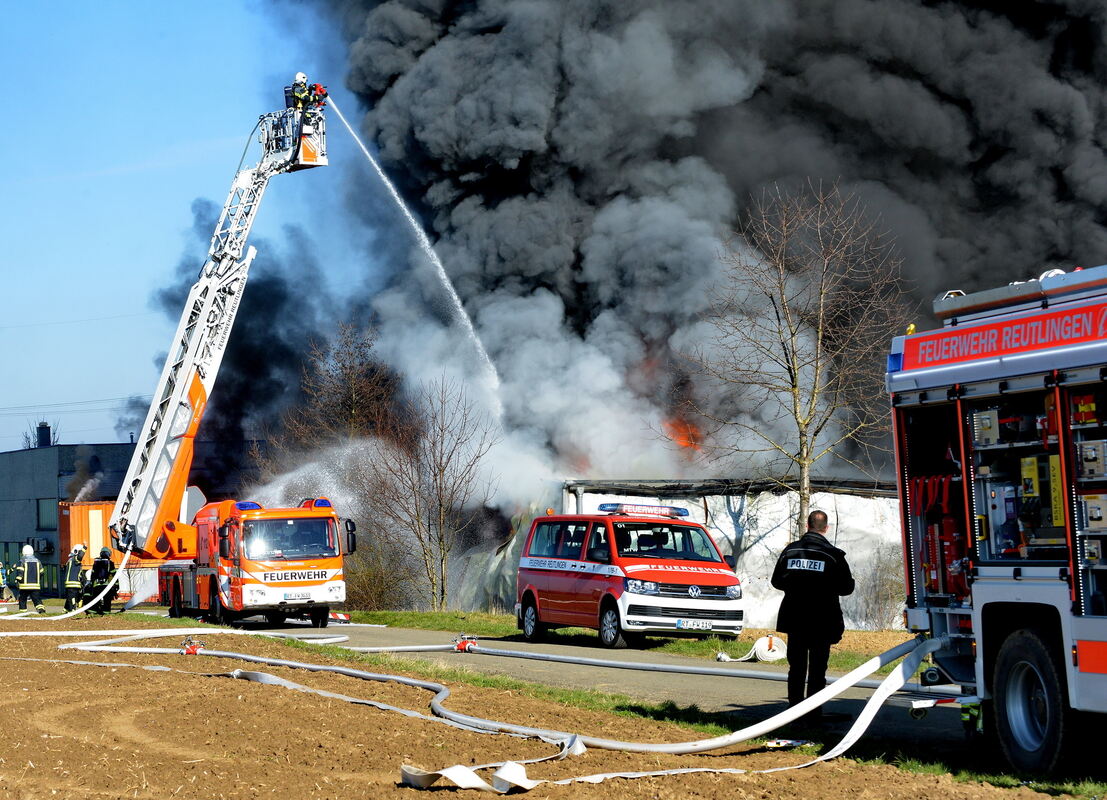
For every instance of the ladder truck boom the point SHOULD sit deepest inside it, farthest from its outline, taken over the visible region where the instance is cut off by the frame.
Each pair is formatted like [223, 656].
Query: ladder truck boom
[150, 505]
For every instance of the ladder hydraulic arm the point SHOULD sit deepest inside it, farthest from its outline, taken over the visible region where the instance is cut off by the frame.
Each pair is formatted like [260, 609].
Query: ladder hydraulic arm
[148, 514]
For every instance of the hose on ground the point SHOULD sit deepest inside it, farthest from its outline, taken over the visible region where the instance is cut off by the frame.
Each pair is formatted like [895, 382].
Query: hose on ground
[509, 776]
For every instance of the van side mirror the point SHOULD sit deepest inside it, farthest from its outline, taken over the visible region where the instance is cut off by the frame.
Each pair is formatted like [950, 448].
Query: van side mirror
[731, 561]
[224, 543]
[599, 554]
[350, 526]
[351, 541]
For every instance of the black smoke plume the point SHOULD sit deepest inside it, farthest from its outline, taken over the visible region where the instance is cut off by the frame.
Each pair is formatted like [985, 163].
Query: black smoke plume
[260, 375]
[582, 161]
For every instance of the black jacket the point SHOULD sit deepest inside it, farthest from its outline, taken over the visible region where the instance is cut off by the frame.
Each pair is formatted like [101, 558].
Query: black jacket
[812, 573]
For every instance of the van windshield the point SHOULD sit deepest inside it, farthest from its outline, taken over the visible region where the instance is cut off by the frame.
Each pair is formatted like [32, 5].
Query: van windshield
[273, 539]
[664, 541]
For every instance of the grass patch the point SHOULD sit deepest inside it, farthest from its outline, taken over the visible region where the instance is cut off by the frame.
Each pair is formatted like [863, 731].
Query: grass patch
[503, 626]
[989, 773]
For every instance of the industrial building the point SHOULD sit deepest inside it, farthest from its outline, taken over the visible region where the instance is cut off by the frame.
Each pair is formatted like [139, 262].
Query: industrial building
[34, 480]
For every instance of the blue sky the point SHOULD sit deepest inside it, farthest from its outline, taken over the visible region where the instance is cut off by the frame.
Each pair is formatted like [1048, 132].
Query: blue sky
[120, 114]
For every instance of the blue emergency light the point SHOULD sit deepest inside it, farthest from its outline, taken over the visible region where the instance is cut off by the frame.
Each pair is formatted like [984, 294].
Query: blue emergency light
[247, 505]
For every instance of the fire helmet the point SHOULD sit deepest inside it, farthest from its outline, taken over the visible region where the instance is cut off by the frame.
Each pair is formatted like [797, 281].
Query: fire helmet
[105, 552]
[28, 550]
[300, 78]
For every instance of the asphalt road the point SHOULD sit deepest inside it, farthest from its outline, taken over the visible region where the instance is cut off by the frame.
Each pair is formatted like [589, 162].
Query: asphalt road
[938, 735]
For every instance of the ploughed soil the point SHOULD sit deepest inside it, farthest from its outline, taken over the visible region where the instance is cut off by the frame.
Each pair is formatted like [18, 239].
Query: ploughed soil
[86, 731]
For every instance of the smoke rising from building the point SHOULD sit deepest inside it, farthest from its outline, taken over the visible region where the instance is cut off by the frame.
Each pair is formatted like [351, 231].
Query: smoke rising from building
[582, 162]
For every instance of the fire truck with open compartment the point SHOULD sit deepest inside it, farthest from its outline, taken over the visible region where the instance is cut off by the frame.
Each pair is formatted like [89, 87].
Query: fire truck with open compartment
[230, 558]
[1000, 423]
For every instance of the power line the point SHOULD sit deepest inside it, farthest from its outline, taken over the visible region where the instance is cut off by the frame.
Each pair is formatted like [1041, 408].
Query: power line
[75, 321]
[36, 407]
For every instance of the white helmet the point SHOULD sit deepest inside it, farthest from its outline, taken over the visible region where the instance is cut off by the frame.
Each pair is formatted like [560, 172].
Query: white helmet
[77, 549]
[28, 550]
[300, 78]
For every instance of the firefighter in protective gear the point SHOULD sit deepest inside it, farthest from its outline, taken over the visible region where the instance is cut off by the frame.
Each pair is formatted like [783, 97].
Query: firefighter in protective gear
[29, 576]
[813, 574]
[73, 578]
[300, 95]
[101, 574]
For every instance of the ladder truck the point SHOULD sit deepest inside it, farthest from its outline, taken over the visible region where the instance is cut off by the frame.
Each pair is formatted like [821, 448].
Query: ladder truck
[232, 558]
[1000, 425]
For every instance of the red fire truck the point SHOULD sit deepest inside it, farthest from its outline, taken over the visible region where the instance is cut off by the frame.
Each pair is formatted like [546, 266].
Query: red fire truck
[1000, 420]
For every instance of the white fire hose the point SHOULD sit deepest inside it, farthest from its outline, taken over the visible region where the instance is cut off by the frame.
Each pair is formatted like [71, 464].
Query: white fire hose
[511, 776]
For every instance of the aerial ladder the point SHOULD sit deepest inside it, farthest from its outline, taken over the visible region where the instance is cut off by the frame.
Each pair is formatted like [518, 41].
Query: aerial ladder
[150, 512]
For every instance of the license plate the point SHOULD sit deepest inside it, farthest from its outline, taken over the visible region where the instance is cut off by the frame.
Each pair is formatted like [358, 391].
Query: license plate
[693, 625]
[297, 595]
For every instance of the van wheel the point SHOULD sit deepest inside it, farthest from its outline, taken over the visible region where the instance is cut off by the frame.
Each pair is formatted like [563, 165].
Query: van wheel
[275, 618]
[1030, 706]
[611, 632]
[320, 617]
[533, 628]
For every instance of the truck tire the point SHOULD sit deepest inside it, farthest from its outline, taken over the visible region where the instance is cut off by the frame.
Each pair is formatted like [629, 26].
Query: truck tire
[611, 630]
[175, 604]
[1031, 712]
[275, 618]
[320, 617]
[218, 614]
[534, 630]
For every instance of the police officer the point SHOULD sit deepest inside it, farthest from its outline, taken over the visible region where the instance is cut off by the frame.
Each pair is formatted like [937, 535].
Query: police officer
[73, 577]
[813, 574]
[101, 574]
[29, 575]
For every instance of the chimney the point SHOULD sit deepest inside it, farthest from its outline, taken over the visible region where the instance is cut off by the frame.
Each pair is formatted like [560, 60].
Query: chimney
[43, 434]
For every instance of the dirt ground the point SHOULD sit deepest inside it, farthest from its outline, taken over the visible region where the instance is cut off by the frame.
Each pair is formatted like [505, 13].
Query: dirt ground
[83, 731]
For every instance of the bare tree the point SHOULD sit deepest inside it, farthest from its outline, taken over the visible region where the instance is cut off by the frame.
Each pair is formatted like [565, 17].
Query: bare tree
[30, 436]
[430, 483]
[347, 395]
[348, 398]
[802, 321]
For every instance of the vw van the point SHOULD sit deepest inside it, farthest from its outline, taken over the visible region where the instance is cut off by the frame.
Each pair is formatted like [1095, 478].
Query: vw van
[627, 571]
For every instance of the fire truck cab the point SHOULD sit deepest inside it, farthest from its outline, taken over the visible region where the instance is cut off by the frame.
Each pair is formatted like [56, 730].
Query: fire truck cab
[248, 560]
[1000, 423]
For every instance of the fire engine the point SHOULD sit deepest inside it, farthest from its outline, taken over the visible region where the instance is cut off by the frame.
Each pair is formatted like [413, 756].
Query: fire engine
[1000, 424]
[229, 558]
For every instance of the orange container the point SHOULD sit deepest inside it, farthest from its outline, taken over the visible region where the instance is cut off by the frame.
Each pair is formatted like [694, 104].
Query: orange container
[87, 524]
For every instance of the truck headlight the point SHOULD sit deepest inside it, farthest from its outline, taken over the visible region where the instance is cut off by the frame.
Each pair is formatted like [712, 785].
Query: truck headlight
[734, 592]
[635, 586]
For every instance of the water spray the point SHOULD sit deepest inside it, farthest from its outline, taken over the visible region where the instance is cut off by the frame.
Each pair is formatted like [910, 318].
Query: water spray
[428, 250]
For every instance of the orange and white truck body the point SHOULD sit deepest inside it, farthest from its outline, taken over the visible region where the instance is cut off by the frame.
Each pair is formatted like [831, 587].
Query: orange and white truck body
[245, 559]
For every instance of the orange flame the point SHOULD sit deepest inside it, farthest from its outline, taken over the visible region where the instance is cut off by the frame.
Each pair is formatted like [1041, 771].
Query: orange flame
[683, 432]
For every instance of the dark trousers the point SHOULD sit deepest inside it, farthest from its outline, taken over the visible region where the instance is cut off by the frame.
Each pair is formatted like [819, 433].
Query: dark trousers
[807, 659]
[36, 599]
[72, 597]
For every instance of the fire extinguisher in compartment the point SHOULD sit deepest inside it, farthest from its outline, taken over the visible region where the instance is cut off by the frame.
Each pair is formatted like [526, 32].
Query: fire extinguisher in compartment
[953, 546]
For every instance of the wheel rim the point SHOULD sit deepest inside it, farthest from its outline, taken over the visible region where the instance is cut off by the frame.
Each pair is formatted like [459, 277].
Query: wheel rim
[530, 620]
[1028, 707]
[609, 625]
